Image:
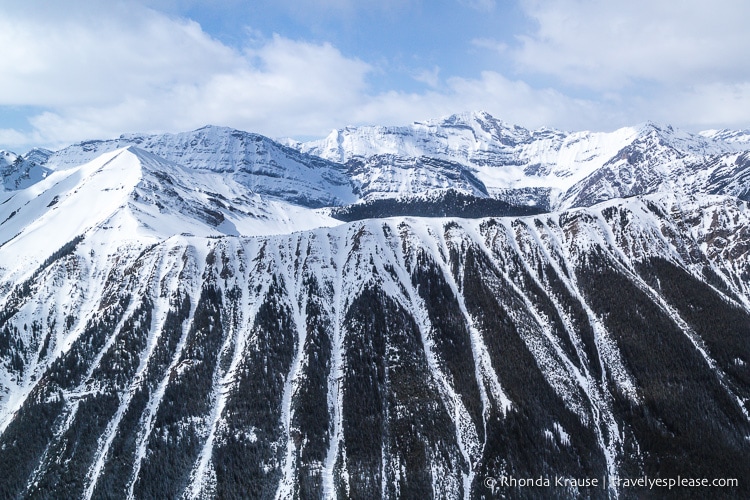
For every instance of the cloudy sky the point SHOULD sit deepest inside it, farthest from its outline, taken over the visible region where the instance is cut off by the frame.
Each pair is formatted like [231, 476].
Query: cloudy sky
[83, 69]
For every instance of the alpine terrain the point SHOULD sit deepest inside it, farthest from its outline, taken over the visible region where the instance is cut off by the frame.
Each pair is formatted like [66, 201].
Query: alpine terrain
[458, 308]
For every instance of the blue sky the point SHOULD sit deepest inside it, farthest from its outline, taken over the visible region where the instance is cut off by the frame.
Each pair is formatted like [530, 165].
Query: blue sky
[84, 69]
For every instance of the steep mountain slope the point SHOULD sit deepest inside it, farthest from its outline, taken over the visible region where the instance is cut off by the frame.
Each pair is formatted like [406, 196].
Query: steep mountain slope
[132, 195]
[407, 358]
[380, 176]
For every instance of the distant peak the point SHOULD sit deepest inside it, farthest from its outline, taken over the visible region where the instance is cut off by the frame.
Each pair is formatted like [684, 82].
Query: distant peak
[467, 117]
[484, 115]
[649, 126]
[213, 127]
[727, 135]
[38, 155]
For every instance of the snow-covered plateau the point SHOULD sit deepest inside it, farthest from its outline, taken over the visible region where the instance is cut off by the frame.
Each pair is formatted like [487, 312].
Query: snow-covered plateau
[189, 316]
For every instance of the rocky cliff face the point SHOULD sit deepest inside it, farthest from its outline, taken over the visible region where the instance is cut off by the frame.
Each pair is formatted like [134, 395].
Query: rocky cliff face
[400, 358]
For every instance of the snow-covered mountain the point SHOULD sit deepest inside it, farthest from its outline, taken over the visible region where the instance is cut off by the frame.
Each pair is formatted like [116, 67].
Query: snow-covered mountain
[260, 164]
[544, 167]
[18, 172]
[727, 135]
[131, 195]
[471, 153]
[180, 316]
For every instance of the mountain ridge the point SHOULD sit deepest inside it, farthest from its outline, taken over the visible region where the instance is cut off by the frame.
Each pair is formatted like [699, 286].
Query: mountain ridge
[496, 159]
[184, 320]
[508, 159]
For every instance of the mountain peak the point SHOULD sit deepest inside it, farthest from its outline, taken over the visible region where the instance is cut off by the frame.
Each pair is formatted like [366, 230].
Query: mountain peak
[729, 136]
[19, 172]
[471, 119]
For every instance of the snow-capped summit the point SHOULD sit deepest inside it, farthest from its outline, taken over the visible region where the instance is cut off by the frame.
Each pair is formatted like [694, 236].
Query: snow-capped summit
[458, 137]
[260, 164]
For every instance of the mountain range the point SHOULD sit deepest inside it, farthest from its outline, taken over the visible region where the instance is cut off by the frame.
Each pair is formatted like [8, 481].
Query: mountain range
[387, 312]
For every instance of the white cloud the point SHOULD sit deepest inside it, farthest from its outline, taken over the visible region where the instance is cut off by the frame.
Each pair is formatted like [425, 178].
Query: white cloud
[98, 72]
[513, 101]
[682, 63]
[142, 71]
[713, 105]
[429, 77]
[610, 45]
[11, 136]
[139, 70]
[84, 57]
